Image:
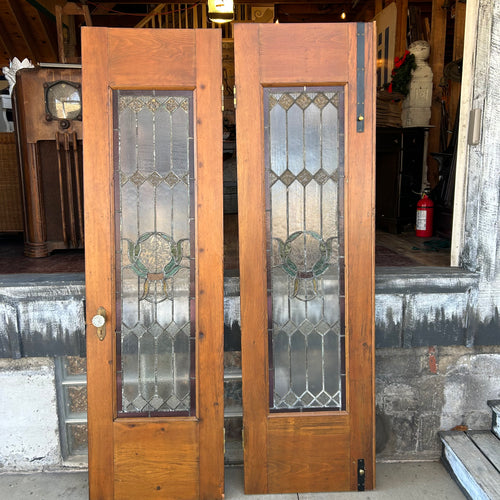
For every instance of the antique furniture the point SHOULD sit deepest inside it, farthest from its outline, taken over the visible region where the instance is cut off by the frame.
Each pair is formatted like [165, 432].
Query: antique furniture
[48, 120]
[400, 155]
[11, 208]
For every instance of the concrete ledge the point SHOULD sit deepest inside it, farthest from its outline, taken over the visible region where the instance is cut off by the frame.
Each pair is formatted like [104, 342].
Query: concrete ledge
[422, 306]
[43, 314]
[424, 280]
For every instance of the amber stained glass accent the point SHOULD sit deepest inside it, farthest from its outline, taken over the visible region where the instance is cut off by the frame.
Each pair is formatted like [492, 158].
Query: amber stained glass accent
[304, 137]
[154, 197]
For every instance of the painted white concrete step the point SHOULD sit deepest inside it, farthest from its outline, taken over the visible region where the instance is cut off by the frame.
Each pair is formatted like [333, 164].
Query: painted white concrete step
[473, 471]
[495, 423]
[489, 445]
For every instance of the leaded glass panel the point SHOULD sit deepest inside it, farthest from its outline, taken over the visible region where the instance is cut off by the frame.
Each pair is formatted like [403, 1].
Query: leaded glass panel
[154, 188]
[304, 132]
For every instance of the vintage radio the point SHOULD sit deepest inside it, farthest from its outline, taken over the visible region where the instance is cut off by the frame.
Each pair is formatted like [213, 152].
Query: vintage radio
[49, 126]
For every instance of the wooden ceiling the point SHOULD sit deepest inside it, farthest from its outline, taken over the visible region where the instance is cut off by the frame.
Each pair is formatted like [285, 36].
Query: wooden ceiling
[28, 27]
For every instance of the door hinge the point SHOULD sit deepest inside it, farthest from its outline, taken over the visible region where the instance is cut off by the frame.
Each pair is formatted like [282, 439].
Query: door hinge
[234, 96]
[243, 438]
[360, 78]
[361, 474]
[222, 97]
[224, 439]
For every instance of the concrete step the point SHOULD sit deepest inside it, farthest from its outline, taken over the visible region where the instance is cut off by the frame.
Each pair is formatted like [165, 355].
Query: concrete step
[473, 458]
[494, 404]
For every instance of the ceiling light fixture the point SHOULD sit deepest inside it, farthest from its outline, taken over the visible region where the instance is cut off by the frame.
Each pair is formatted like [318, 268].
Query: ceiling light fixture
[220, 11]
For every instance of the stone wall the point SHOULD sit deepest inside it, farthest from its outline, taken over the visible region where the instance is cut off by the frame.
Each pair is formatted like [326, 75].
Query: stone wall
[421, 391]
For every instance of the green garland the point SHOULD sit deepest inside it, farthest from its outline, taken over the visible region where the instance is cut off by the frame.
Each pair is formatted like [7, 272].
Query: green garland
[401, 74]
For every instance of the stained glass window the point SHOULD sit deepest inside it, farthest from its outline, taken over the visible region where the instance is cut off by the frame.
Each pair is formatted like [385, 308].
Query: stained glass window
[304, 135]
[154, 188]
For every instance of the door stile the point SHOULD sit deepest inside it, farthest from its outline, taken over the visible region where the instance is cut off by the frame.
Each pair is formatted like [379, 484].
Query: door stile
[360, 270]
[253, 272]
[210, 269]
[99, 265]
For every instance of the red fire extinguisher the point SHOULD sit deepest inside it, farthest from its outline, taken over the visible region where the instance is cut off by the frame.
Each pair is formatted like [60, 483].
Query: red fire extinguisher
[425, 212]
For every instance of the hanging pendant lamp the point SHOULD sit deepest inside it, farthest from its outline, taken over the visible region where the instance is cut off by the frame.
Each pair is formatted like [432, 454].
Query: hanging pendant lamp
[220, 11]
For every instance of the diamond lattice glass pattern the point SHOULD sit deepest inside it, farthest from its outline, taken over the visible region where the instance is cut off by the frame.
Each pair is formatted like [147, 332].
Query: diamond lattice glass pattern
[304, 164]
[155, 269]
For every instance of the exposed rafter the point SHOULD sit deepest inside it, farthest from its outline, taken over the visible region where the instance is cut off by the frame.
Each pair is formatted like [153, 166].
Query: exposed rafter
[24, 29]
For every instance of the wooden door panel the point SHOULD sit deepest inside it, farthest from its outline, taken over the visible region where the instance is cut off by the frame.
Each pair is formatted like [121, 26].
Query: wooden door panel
[146, 468]
[303, 441]
[166, 455]
[310, 438]
[291, 59]
[172, 47]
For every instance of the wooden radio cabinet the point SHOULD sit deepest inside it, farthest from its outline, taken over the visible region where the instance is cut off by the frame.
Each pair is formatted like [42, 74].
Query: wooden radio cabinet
[49, 128]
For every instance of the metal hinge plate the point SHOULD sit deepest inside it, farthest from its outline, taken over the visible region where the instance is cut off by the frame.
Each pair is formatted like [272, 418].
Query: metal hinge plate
[361, 474]
[360, 78]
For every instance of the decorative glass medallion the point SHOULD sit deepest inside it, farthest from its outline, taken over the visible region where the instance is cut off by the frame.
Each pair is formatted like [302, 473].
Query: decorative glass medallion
[155, 268]
[304, 133]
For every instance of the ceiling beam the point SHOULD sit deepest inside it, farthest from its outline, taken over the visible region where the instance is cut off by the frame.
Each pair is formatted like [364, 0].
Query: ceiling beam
[24, 28]
[6, 41]
[95, 3]
[102, 9]
[43, 11]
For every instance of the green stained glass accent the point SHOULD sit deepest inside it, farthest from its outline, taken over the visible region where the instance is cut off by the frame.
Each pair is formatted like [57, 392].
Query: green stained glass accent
[304, 164]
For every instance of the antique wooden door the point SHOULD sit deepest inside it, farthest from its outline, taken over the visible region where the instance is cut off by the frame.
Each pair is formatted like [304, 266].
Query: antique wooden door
[305, 134]
[154, 274]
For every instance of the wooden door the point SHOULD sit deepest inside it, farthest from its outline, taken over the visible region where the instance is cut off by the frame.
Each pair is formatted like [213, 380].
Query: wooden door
[305, 135]
[153, 219]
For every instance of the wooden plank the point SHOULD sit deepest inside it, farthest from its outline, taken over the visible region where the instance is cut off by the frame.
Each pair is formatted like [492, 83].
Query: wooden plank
[489, 445]
[60, 34]
[360, 264]
[35, 30]
[471, 468]
[401, 27]
[12, 39]
[99, 264]
[129, 65]
[289, 59]
[253, 275]
[150, 17]
[308, 454]
[210, 274]
[457, 239]
[495, 420]
[436, 61]
[156, 459]
[48, 35]
[458, 51]
[24, 30]
[4, 51]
